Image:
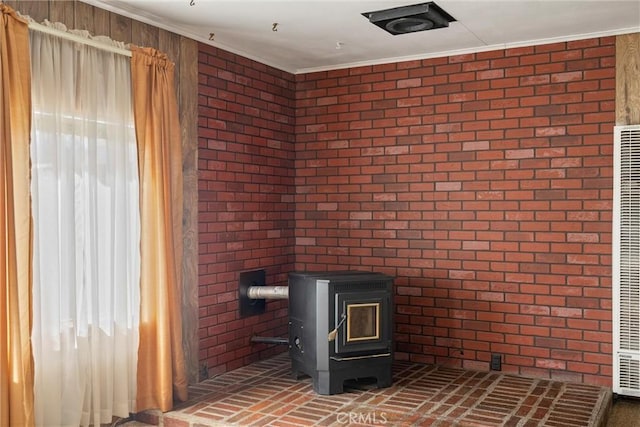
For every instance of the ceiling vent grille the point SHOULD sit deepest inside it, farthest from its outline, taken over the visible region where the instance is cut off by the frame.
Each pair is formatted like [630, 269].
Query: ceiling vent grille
[410, 19]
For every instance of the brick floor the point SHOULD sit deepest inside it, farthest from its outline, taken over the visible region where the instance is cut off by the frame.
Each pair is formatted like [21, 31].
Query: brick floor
[264, 394]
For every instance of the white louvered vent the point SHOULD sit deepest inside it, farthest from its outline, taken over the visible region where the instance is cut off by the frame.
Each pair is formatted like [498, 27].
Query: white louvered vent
[629, 373]
[626, 261]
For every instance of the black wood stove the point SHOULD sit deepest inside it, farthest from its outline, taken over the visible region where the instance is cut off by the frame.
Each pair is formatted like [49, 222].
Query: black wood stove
[341, 327]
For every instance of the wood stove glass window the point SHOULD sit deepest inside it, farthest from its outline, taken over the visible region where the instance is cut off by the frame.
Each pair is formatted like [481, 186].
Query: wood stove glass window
[363, 322]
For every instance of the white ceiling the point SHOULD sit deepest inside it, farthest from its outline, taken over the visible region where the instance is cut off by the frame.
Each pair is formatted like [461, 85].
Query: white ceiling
[309, 32]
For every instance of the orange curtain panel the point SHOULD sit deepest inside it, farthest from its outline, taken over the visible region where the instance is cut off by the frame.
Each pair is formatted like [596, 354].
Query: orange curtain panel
[16, 363]
[161, 371]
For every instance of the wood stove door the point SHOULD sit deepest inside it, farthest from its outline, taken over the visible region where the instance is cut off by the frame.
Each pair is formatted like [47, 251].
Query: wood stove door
[363, 320]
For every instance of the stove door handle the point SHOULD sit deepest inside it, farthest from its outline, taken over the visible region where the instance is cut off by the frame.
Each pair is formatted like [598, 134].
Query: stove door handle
[332, 334]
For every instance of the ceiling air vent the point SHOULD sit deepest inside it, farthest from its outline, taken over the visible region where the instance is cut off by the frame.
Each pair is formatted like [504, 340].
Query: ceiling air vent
[410, 19]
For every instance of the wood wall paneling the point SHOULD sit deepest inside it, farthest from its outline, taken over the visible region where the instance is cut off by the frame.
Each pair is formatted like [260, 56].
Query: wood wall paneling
[102, 22]
[62, 11]
[188, 97]
[120, 27]
[144, 34]
[169, 43]
[38, 9]
[84, 17]
[628, 79]
[184, 52]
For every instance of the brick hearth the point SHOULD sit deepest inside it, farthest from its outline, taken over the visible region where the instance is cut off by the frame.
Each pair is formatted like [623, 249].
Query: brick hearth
[264, 394]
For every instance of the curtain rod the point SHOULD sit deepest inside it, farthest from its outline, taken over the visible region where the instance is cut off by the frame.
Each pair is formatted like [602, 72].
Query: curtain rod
[79, 39]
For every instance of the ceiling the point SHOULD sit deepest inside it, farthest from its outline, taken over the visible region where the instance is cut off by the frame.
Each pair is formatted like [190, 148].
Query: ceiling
[301, 36]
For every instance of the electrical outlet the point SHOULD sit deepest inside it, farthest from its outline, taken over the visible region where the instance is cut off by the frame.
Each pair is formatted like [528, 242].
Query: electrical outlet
[496, 362]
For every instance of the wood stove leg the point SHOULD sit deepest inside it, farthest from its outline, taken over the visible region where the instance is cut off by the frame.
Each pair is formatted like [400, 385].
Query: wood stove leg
[295, 374]
[384, 378]
[327, 383]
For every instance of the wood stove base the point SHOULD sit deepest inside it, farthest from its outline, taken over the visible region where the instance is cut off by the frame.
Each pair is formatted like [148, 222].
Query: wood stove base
[331, 381]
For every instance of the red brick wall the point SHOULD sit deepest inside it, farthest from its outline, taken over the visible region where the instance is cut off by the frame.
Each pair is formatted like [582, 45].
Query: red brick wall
[246, 187]
[483, 183]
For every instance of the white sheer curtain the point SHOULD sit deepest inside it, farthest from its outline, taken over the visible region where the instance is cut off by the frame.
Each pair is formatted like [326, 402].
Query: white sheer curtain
[87, 233]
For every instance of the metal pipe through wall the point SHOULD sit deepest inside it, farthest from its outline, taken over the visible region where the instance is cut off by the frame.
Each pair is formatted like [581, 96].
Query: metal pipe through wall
[269, 340]
[268, 292]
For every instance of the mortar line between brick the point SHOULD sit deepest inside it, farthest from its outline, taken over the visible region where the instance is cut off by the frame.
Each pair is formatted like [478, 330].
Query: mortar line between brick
[534, 407]
[467, 395]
